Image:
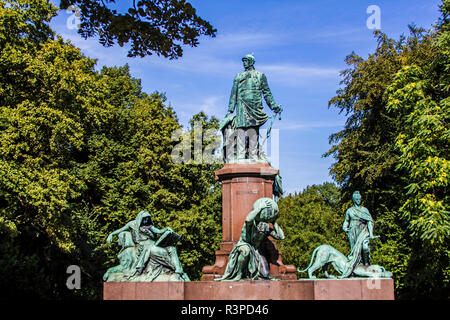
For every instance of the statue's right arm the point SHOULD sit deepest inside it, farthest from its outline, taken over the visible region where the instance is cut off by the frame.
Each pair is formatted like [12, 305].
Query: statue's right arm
[233, 96]
[112, 234]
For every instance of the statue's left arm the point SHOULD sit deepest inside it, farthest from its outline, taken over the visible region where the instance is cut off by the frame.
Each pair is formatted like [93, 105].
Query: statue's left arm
[268, 94]
[158, 231]
[251, 216]
[370, 228]
[369, 224]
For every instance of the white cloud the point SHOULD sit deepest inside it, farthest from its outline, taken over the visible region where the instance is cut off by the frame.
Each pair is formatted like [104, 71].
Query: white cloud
[298, 75]
[290, 74]
[300, 71]
[93, 49]
[229, 41]
[338, 34]
[207, 58]
[211, 105]
[292, 125]
[196, 63]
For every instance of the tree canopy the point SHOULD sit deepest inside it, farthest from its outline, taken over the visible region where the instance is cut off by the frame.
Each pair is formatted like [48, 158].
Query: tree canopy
[81, 153]
[151, 26]
[309, 219]
[394, 149]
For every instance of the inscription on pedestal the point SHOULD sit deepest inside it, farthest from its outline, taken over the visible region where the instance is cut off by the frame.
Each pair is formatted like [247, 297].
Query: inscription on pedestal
[248, 192]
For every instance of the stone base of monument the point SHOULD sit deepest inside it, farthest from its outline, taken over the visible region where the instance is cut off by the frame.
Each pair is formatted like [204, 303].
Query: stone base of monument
[242, 185]
[304, 289]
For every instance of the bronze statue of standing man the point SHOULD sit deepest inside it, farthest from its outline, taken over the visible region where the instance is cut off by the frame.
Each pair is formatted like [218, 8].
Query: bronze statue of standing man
[247, 101]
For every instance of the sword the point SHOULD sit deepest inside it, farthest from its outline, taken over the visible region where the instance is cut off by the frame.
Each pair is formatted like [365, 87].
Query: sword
[271, 123]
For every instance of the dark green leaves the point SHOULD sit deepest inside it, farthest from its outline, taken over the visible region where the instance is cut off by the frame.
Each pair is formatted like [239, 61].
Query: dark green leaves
[81, 152]
[152, 27]
[394, 149]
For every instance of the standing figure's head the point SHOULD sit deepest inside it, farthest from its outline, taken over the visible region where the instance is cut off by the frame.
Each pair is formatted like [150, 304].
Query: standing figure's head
[356, 198]
[248, 61]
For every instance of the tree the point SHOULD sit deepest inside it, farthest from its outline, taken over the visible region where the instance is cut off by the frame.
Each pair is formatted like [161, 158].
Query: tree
[81, 152]
[152, 26]
[309, 219]
[393, 149]
[365, 156]
[423, 143]
[419, 95]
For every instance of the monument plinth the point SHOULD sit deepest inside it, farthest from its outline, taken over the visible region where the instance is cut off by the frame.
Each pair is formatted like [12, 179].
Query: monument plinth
[248, 262]
[242, 185]
[306, 289]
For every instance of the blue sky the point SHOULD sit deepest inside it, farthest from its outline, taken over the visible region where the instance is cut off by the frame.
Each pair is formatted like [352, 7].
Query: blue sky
[299, 45]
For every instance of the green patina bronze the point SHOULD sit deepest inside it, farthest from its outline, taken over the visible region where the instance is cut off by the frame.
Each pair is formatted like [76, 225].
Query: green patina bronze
[241, 131]
[277, 187]
[247, 259]
[144, 256]
[325, 254]
[246, 96]
[246, 99]
[358, 225]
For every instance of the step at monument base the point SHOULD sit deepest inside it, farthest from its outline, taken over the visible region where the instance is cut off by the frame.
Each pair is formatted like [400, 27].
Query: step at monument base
[304, 289]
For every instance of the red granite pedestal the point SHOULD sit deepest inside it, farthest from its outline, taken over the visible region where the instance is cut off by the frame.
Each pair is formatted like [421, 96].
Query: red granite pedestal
[343, 289]
[242, 185]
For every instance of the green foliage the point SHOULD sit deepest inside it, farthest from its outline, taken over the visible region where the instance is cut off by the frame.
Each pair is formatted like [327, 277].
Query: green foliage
[151, 26]
[423, 143]
[309, 219]
[394, 150]
[81, 153]
[366, 157]
[25, 22]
